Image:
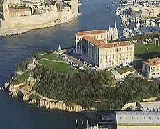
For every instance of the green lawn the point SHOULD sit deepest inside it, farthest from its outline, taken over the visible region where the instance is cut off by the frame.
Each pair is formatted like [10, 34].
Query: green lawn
[54, 62]
[58, 66]
[50, 56]
[145, 51]
[142, 38]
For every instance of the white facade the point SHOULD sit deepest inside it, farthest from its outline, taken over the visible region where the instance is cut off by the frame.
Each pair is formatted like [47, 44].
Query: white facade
[105, 55]
[137, 120]
[151, 68]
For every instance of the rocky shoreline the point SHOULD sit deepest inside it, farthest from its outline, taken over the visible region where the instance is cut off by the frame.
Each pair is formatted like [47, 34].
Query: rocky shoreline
[27, 93]
[30, 96]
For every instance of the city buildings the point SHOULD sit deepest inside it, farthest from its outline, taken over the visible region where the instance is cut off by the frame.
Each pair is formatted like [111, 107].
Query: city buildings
[95, 48]
[151, 68]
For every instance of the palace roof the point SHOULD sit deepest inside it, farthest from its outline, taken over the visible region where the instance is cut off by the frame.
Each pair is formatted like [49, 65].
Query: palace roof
[90, 32]
[103, 44]
[154, 61]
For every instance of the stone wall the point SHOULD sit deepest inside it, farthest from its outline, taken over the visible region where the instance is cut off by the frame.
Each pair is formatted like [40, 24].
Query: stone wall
[17, 25]
[36, 21]
[19, 12]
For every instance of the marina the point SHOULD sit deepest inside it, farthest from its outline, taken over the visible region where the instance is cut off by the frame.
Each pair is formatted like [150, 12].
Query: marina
[136, 20]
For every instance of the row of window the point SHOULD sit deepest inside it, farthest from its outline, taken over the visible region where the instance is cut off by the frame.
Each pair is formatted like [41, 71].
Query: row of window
[155, 73]
[117, 62]
[97, 36]
[153, 68]
[120, 50]
[109, 56]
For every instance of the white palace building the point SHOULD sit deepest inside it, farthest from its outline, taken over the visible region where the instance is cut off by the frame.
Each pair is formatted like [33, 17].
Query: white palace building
[95, 48]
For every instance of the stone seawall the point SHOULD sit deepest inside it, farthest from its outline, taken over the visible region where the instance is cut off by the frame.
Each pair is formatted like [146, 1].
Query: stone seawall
[23, 24]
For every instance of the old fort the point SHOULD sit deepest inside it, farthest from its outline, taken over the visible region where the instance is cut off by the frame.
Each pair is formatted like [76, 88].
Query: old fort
[31, 14]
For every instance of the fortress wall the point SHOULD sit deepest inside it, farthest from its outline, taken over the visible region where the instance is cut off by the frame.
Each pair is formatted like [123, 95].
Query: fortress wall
[39, 21]
[34, 20]
[16, 22]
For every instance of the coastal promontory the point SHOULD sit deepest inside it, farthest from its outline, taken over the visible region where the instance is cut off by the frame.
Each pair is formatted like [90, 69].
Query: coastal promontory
[57, 80]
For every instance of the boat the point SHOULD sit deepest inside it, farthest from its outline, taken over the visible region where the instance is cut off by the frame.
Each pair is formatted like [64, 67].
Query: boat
[1, 88]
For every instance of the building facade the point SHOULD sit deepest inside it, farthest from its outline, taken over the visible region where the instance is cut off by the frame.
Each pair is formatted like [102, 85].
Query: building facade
[95, 49]
[151, 68]
[137, 120]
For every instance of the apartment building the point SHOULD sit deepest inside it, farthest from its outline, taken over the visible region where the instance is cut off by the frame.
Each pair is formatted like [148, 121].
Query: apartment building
[151, 68]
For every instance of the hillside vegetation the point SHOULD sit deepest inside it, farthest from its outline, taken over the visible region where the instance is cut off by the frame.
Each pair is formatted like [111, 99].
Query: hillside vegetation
[86, 88]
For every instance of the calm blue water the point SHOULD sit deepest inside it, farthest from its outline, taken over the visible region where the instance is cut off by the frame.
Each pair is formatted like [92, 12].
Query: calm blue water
[14, 49]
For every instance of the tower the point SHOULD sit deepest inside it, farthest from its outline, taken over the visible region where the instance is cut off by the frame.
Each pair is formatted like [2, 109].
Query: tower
[115, 26]
[5, 11]
[115, 32]
[74, 6]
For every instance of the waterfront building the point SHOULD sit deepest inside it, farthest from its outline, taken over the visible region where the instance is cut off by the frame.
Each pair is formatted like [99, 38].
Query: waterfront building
[95, 48]
[151, 68]
[137, 120]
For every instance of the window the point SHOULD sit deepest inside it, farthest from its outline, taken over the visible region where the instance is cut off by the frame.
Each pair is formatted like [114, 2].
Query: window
[117, 50]
[157, 68]
[153, 68]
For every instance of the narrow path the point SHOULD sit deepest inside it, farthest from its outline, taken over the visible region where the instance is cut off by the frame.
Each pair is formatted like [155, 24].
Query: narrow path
[53, 60]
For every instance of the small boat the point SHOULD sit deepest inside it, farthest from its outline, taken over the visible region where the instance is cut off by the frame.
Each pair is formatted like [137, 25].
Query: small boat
[1, 88]
[107, 6]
